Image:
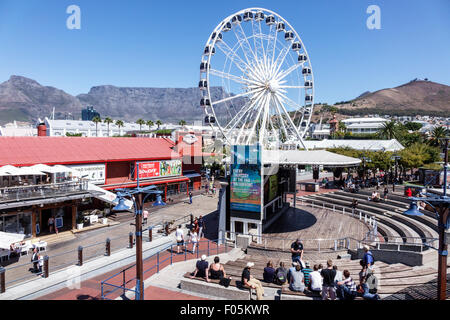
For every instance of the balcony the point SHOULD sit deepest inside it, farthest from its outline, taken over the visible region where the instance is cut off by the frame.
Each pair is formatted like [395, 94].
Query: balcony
[12, 195]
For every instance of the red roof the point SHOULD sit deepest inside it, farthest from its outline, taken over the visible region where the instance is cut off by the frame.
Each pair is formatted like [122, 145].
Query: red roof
[23, 151]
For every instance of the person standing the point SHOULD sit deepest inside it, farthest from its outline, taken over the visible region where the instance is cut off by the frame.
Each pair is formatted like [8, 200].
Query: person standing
[307, 272]
[145, 216]
[35, 260]
[41, 263]
[328, 276]
[201, 227]
[190, 197]
[51, 223]
[179, 235]
[297, 251]
[385, 193]
[249, 281]
[194, 239]
[368, 259]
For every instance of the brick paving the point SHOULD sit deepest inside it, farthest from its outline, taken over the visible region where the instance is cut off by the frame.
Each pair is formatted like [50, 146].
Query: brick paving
[65, 254]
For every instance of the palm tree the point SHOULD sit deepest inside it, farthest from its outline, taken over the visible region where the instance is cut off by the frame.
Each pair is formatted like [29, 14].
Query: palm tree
[119, 123]
[140, 122]
[436, 134]
[96, 120]
[389, 130]
[158, 123]
[150, 124]
[182, 123]
[108, 120]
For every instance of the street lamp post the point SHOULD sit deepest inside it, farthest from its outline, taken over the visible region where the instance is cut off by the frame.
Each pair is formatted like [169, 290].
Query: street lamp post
[138, 206]
[365, 160]
[395, 158]
[440, 205]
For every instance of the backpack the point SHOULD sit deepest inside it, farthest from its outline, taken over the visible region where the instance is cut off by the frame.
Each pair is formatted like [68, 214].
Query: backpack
[372, 283]
[281, 276]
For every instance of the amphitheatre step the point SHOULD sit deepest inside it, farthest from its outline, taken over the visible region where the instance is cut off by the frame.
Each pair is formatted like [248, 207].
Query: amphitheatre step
[425, 225]
[405, 226]
[430, 221]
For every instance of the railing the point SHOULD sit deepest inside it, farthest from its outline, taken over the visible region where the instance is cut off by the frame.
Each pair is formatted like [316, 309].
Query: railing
[124, 281]
[41, 191]
[20, 273]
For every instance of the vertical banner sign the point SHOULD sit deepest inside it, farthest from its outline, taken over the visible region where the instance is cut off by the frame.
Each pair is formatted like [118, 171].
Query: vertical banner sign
[246, 179]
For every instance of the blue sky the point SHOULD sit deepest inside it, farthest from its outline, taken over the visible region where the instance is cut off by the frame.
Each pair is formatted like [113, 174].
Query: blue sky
[159, 43]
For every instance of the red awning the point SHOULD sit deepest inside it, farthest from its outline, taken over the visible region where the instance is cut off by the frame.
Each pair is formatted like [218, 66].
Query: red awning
[133, 184]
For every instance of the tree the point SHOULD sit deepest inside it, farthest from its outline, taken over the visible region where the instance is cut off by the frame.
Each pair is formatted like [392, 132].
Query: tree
[389, 130]
[140, 122]
[96, 120]
[437, 133]
[182, 123]
[120, 124]
[417, 155]
[158, 123]
[413, 126]
[108, 120]
[149, 123]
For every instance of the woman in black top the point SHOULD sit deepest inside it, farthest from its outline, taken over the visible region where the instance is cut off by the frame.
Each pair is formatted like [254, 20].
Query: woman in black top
[217, 271]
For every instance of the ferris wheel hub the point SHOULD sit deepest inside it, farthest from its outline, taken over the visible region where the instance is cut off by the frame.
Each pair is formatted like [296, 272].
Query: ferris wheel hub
[273, 86]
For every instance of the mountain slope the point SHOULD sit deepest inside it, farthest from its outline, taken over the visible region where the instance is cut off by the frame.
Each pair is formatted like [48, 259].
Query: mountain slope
[415, 96]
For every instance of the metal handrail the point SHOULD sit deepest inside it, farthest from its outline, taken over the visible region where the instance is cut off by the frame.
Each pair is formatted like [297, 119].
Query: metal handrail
[156, 265]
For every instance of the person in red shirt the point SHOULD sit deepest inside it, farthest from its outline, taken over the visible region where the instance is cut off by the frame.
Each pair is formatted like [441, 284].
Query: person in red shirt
[408, 192]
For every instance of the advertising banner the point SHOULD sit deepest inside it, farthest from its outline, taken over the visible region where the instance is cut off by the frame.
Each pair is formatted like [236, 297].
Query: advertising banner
[94, 172]
[273, 187]
[155, 169]
[245, 180]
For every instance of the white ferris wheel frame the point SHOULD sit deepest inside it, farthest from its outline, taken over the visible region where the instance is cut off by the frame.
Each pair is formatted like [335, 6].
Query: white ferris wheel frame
[279, 103]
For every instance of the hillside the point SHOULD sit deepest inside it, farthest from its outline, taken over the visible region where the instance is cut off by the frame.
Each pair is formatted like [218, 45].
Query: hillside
[415, 97]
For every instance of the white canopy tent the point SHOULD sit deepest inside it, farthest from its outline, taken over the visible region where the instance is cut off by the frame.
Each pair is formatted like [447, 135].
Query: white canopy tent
[312, 157]
[6, 239]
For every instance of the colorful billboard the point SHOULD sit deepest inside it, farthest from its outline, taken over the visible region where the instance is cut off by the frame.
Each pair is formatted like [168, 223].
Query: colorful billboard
[245, 180]
[273, 187]
[155, 169]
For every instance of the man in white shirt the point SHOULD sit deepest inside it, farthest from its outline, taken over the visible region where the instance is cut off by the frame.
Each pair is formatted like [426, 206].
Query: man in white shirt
[315, 280]
[179, 235]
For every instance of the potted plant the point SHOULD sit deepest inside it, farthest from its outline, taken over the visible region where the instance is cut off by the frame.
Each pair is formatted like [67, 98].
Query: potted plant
[105, 219]
[80, 222]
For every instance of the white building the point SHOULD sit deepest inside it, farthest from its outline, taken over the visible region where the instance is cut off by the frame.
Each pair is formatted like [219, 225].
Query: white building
[364, 125]
[59, 128]
[16, 130]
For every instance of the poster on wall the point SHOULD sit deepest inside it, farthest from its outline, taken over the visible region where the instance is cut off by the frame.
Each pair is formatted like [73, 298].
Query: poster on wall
[273, 187]
[94, 172]
[154, 169]
[245, 180]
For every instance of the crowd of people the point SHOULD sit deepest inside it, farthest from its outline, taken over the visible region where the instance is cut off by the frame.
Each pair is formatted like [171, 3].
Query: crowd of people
[195, 233]
[327, 281]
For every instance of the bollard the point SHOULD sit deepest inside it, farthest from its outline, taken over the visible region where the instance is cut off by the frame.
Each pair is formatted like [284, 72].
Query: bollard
[80, 256]
[2, 280]
[335, 245]
[108, 247]
[150, 234]
[130, 240]
[360, 215]
[46, 266]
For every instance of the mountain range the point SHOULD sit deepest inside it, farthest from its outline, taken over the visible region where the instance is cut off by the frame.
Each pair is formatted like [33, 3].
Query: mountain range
[24, 99]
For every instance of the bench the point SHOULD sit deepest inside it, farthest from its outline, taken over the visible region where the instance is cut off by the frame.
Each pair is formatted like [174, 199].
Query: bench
[234, 283]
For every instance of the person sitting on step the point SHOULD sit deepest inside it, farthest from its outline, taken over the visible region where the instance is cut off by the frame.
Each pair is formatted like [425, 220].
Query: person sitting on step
[269, 273]
[201, 269]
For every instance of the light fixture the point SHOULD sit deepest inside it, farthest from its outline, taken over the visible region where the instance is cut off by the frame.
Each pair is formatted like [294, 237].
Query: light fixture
[121, 206]
[159, 201]
[413, 210]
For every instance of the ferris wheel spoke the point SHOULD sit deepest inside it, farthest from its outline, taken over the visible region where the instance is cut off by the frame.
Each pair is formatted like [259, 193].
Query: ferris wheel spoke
[247, 116]
[244, 44]
[264, 119]
[280, 59]
[281, 118]
[292, 87]
[256, 119]
[236, 96]
[230, 54]
[286, 72]
[241, 113]
[290, 102]
[290, 121]
[271, 42]
[229, 76]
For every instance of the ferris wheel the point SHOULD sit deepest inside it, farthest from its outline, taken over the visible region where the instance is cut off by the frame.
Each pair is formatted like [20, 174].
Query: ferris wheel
[256, 80]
